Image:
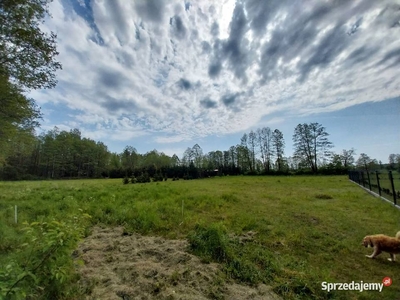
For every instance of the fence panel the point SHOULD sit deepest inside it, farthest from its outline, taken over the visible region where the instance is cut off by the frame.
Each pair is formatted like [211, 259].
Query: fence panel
[384, 183]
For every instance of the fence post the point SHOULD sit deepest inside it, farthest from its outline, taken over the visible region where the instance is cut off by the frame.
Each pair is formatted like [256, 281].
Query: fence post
[393, 190]
[369, 181]
[379, 185]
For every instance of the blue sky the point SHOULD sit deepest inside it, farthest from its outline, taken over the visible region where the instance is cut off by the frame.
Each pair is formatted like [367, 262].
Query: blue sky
[166, 75]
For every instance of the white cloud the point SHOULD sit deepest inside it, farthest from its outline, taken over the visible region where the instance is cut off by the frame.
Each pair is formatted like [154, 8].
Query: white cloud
[151, 72]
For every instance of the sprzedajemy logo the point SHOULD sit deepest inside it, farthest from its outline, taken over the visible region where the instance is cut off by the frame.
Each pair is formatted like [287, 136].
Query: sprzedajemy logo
[356, 286]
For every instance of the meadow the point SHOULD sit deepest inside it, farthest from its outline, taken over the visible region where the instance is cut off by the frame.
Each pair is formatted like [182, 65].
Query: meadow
[305, 230]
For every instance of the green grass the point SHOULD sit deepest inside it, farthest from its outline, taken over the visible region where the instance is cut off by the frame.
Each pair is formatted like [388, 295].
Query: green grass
[309, 229]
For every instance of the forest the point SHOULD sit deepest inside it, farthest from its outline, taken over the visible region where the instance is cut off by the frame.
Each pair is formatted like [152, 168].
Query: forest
[59, 154]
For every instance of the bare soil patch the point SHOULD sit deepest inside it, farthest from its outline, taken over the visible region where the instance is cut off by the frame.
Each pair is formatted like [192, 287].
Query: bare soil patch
[119, 266]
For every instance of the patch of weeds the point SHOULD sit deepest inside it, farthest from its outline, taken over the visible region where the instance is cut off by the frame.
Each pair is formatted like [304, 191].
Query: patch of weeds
[210, 242]
[247, 263]
[143, 218]
[242, 269]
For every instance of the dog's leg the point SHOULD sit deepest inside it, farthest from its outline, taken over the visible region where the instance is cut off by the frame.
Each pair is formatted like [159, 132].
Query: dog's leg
[392, 257]
[375, 254]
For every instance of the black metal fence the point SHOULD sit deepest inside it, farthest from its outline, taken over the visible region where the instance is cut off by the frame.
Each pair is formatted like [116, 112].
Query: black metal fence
[380, 182]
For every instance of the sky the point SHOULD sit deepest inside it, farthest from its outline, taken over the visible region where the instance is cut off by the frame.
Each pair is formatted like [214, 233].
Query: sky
[167, 75]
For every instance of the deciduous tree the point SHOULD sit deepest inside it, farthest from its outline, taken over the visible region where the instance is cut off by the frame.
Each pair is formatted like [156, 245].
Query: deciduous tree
[311, 143]
[27, 54]
[278, 143]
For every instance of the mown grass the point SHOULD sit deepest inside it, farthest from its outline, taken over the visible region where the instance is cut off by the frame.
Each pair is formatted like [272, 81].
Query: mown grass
[308, 229]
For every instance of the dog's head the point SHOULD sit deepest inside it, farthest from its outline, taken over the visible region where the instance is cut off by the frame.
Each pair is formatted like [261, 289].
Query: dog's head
[367, 242]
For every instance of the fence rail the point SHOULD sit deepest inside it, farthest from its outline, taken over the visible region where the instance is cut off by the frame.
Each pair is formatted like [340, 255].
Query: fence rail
[382, 183]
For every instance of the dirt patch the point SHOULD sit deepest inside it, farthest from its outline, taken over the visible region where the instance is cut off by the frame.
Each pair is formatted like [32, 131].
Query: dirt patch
[118, 266]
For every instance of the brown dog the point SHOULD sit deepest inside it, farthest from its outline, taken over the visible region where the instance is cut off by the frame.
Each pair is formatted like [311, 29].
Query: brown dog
[381, 242]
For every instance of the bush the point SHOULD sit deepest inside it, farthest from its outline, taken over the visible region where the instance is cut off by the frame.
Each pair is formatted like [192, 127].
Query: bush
[143, 178]
[43, 268]
[125, 180]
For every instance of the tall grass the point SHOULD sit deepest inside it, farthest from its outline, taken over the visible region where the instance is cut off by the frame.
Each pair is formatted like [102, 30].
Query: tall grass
[305, 229]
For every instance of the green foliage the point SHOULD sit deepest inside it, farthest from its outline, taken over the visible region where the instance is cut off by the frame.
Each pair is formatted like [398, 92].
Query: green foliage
[144, 178]
[56, 154]
[158, 177]
[27, 54]
[125, 180]
[18, 118]
[42, 268]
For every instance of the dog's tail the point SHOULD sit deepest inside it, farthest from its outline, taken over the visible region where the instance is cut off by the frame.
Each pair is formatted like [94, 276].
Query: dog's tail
[398, 235]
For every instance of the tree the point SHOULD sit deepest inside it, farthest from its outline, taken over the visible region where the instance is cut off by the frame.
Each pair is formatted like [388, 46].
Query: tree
[252, 142]
[347, 157]
[365, 162]
[311, 143]
[114, 161]
[175, 161]
[265, 144]
[233, 156]
[27, 54]
[393, 159]
[188, 156]
[279, 145]
[27, 60]
[197, 155]
[245, 152]
[129, 158]
[18, 115]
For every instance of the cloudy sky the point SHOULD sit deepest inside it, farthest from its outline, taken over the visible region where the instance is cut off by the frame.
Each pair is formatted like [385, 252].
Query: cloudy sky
[166, 75]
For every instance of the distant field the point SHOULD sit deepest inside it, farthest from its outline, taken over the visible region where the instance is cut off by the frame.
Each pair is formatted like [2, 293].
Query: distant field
[308, 228]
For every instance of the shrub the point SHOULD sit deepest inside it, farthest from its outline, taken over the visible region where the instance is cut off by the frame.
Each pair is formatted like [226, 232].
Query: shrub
[125, 180]
[43, 268]
[143, 178]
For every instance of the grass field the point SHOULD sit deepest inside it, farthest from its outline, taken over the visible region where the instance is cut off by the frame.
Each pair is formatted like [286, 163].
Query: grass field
[309, 229]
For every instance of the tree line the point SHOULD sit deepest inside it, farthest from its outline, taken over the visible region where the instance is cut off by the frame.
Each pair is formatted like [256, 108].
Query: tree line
[66, 154]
